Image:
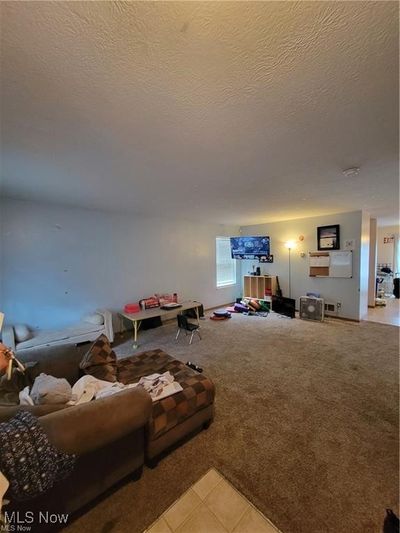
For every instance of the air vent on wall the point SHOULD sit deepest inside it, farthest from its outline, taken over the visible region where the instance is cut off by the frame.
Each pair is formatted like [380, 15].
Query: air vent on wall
[330, 308]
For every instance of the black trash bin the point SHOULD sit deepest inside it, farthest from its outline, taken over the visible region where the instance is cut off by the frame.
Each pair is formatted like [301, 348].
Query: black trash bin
[396, 289]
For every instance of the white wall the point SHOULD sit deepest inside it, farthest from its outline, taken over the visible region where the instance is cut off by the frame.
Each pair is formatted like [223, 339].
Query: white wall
[372, 263]
[364, 264]
[58, 262]
[385, 250]
[346, 291]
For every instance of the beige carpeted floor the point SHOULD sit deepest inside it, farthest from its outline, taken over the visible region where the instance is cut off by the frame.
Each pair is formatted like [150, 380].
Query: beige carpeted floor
[306, 426]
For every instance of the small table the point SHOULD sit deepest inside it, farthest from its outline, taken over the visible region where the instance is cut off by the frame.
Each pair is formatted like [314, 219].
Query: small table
[136, 318]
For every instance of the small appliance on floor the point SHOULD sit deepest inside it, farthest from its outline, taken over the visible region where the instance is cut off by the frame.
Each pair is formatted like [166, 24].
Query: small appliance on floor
[311, 308]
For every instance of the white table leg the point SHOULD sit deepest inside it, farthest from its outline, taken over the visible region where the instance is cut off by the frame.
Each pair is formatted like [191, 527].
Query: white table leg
[136, 326]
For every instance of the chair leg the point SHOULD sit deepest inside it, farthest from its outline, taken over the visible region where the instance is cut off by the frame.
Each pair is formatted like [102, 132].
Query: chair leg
[191, 338]
[198, 333]
[177, 334]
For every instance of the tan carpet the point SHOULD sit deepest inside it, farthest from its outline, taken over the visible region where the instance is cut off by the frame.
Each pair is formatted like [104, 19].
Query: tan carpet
[306, 426]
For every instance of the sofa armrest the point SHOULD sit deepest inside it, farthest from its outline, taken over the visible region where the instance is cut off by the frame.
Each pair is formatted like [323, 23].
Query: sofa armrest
[108, 324]
[9, 411]
[8, 337]
[83, 428]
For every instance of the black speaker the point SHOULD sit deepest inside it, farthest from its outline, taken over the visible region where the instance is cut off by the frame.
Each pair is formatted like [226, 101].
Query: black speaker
[150, 323]
[396, 290]
[284, 306]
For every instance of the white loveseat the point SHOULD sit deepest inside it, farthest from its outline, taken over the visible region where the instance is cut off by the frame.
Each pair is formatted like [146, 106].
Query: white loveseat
[91, 327]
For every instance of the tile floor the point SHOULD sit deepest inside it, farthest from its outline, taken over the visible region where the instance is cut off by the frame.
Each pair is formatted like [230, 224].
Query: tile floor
[212, 505]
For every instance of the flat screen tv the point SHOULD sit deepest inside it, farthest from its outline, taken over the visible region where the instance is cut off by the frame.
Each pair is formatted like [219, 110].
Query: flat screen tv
[249, 247]
[284, 306]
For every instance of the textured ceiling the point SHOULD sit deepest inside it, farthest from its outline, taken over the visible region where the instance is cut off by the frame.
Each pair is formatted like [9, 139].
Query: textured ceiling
[238, 112]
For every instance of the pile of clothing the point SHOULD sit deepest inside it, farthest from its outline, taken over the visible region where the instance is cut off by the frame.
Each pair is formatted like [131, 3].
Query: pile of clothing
[48, 389]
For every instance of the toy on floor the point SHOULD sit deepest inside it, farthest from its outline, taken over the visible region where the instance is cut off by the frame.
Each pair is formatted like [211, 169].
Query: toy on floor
[252, 306]
[220, 315]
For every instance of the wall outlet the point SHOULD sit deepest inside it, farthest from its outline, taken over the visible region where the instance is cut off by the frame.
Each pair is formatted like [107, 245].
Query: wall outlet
[338, 305]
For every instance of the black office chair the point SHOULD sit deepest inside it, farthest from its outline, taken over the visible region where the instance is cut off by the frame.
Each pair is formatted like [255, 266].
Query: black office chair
[188, 327]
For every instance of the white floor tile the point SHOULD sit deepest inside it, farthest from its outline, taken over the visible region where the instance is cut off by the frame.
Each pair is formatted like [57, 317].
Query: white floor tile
[227, 504]
[207, 483]
[181, 509]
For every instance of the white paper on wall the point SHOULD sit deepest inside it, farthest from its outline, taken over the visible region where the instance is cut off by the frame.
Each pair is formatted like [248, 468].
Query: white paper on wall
[349, 244]
[319, 260]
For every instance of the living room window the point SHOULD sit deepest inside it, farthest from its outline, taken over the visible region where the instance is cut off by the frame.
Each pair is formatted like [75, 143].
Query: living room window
[226, 266]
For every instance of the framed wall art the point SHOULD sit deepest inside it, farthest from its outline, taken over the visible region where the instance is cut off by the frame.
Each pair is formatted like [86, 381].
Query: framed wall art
[328, 237]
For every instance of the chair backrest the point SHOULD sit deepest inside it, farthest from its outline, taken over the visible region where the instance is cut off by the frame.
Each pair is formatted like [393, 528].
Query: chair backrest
[182, 321]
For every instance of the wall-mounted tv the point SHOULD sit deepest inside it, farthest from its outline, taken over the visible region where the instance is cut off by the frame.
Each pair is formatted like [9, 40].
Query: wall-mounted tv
[249, 247]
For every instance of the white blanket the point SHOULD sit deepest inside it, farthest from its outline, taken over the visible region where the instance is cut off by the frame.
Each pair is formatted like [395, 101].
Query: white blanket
[157, 385]
[88, 387]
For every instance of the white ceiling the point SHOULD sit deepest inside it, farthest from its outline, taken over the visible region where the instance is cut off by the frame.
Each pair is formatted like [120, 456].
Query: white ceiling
[237, 112]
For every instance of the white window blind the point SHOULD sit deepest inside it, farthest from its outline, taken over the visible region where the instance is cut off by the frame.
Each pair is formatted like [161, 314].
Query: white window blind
[226, 266]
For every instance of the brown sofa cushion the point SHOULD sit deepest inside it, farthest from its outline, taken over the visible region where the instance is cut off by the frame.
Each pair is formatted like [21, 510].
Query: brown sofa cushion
[100, 361]
[198, 390]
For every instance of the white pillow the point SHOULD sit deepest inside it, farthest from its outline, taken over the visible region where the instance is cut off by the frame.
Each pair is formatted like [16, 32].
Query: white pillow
[22, 333]
[94, 318]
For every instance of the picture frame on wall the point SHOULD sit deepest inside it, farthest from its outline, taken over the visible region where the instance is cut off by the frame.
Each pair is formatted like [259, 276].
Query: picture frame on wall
[328, 237]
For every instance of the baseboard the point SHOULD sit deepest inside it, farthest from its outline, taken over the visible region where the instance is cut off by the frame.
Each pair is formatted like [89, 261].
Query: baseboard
[219, 306]
[357, 321]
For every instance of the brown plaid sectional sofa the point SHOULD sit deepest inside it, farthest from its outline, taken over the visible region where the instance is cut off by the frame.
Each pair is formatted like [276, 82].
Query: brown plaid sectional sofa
[176, 416]
[112, 437]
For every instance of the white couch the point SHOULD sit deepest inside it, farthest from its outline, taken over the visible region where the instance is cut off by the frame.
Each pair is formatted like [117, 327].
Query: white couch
[87, 330]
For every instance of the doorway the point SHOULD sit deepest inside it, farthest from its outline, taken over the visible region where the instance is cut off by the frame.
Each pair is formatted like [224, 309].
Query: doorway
[385, 306]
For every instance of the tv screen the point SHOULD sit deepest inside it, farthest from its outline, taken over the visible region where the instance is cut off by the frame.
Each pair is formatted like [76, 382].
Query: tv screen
[284, 306]
[249, 247]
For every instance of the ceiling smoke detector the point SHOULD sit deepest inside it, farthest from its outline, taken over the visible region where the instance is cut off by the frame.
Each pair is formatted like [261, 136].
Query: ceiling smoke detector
[351, 172]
